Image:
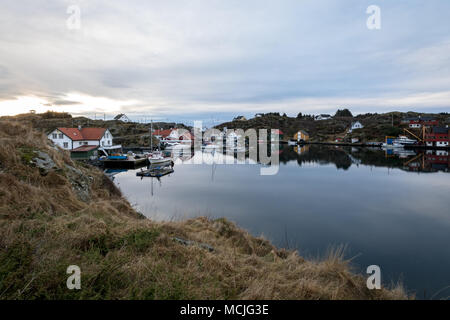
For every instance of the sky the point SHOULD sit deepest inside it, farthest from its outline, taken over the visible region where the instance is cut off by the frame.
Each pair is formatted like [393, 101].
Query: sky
[211, 60]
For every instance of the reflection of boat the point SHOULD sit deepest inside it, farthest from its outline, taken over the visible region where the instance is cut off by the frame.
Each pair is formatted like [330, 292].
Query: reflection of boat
[155, 173]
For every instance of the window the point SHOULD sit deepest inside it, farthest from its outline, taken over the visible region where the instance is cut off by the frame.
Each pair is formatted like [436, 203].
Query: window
[103, 143]
[61, 136]
[109, 142]
[66, 145]
[55, 136]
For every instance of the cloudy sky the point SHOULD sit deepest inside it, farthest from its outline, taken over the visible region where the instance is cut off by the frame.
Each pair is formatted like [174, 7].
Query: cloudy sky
[214, 59]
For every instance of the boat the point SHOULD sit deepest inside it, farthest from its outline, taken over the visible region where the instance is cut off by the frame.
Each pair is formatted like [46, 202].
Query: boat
[156, 158]
[118, 157]
[399, 142]
[404, 140]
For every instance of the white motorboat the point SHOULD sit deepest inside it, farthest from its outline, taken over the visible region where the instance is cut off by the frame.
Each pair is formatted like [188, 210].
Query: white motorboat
[156, 158]
[404, 140]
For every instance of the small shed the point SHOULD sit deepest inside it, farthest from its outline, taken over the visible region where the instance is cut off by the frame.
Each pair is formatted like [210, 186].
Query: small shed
[301, 136]
[84, 153]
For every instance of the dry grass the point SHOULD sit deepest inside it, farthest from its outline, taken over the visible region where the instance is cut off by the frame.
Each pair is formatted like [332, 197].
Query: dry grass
[45, 227]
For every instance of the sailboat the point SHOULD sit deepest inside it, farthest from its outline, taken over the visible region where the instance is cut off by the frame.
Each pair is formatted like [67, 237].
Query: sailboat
[156, 158]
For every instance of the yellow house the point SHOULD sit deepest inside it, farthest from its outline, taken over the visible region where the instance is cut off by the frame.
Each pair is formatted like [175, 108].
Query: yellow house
[301, 136]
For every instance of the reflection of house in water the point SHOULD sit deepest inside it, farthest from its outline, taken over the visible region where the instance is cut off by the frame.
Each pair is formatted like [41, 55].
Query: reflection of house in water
[438, 160]
[301, 149]
[431, 161]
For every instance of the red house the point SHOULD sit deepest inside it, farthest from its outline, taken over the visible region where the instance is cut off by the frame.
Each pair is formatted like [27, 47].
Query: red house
[438, 137]
[422, 121]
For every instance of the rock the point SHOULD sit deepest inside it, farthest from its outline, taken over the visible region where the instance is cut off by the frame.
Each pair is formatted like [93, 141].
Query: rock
[80, 183]
[193, 243]
[44, 163]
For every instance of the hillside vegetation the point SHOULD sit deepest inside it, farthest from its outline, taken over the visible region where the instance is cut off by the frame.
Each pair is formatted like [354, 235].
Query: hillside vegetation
[55, 213]
[127, 134]
[376, 126]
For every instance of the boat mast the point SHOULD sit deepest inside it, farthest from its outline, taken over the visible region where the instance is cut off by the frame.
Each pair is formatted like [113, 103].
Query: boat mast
[151, 135]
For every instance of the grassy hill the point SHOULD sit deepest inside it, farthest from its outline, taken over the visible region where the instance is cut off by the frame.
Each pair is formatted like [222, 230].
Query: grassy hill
[127, 134]
[55, 213]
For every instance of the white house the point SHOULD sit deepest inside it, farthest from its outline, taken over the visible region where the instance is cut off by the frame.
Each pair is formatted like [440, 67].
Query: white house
[122, 117]
[323, 117]
[355, 125]
[73, 138]
[173, 134]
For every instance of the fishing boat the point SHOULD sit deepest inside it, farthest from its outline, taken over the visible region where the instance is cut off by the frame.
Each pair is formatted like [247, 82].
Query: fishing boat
[404, 140]
[156, 158]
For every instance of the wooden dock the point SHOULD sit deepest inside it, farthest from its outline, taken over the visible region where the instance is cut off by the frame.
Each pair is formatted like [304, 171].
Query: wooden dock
[125, 164]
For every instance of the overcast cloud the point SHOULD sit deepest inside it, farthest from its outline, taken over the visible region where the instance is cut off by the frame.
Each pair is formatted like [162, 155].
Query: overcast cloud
[199, 59]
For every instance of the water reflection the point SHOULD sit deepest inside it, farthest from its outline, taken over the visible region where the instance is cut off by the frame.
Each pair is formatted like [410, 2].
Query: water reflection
[341, 157]
[373, 200]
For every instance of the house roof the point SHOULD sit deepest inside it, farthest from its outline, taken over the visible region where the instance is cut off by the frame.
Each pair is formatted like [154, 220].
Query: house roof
[420, 119]
[278, 131]
[83, 134]
[304, 132]
[440, 130]
[162, 133]
[84, 148]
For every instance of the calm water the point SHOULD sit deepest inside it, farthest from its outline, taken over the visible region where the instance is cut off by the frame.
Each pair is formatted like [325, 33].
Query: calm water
[390, 209]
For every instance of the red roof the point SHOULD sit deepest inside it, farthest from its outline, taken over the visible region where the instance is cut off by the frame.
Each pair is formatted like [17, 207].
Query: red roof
[162, 133]
[278, 131]
[84, 134]
[84, 148]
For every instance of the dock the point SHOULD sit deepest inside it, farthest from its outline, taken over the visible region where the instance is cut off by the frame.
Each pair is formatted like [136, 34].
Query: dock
[125, 164]
[155, 173]
[345, 144]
